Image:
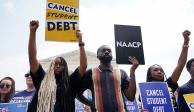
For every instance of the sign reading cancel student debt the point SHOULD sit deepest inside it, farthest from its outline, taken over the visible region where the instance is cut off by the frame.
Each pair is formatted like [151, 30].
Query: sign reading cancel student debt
[189, 98]
[62, 17]
[128, 42]
[13, 107]
[155, 97]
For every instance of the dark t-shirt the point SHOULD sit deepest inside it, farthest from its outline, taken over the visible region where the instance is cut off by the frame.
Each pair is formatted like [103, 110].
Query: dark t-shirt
[172, 87]
[74, 83]
[187, 88]
[6, 101]
[2, 101]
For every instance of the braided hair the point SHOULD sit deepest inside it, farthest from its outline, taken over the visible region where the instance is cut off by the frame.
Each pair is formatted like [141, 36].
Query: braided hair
[47, 92]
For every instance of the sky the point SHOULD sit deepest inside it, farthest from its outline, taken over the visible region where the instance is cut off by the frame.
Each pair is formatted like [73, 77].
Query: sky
[162, 23]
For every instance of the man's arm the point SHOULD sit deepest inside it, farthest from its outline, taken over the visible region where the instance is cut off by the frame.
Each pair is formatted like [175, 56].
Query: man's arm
[182, 59]
[83, 58]
[32, 52]
[83, 99]
[131, 90]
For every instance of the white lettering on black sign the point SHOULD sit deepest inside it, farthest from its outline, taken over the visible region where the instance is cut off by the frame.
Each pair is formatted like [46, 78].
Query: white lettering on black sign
[128, 44]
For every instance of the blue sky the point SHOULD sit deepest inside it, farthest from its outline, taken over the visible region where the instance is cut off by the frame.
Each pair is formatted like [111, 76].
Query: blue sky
[161, 21]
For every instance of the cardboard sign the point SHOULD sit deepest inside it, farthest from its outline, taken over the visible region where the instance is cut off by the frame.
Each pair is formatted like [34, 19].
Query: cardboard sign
[128, 42]
[13, 107]
[62, 18]
[189, 98]
[155, 97]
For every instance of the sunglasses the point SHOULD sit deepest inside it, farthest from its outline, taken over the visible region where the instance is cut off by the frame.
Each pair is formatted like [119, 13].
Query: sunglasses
[27, 75]
[3, 85]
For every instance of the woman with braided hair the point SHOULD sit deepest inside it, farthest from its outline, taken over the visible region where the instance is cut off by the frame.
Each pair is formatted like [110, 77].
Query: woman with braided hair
[55, 88]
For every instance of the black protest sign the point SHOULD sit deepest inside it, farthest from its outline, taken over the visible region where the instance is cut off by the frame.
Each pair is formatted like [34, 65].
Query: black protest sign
[128, 42]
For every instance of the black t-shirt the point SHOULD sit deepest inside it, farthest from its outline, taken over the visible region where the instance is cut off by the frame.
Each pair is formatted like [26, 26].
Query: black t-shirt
[2, 101]
[187, 88]
[74, 83]
[172, 87]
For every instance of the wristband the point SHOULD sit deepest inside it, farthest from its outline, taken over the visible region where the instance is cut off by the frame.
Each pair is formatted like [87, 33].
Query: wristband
[81, 44]
[132, 77]
[185, 45]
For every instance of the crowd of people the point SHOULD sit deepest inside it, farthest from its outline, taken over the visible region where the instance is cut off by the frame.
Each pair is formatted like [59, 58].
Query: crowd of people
[55, 90]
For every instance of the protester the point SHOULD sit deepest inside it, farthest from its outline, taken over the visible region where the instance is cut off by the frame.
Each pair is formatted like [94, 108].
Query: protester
[187, 88]
[27, 94]
[55, 88]
[7, 89]
[108, 84]
[155, 72]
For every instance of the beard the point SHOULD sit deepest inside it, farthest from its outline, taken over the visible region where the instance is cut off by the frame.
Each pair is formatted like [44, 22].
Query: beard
[105, 59]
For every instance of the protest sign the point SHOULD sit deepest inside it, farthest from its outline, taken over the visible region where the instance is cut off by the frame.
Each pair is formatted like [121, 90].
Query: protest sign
[62, 18]
[131, 106]
[155, 97]
[189, 98]
[128, 42]
[13, 107]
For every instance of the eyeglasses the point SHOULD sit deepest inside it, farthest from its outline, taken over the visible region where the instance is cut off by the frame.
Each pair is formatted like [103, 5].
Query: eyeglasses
[3, 85]
[27, 75]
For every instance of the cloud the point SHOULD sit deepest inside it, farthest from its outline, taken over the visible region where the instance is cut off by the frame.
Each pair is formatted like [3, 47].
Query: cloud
[9, 8]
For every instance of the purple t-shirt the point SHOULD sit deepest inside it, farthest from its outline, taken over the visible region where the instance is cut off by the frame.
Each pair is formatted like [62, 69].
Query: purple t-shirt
[23, 96]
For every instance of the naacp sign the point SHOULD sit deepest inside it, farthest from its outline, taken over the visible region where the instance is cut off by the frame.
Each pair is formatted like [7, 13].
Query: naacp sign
[128, 42]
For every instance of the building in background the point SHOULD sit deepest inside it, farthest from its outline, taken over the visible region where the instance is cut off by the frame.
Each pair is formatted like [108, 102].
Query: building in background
[72, 59]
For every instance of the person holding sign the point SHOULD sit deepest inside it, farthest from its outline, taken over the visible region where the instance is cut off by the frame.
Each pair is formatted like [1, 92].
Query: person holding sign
[108, 84]
[55, 88]
[156, 73]
[187, 88]
[7, 89]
